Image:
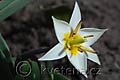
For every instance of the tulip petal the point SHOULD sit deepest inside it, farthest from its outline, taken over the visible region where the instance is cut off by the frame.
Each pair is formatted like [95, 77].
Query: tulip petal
[97, 33]
[93, 57]
[79, 61]
[57, 52]
[76, 16]
[61, 27]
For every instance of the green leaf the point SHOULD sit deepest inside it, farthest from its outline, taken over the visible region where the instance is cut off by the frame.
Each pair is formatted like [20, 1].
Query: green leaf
[13, 59]
[58, 76]
[4, 50]
[2, 56]
[50, 74]
[4, 3]
[6, 70]
[35, 70]
[49, 67]
[19, 78]
[25, 68]
[8, 7]
[46, 70]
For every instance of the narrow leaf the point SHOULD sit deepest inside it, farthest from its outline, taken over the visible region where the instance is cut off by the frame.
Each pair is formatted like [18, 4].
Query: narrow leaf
[5, 70]
[2, 56]
[35, 70]
[58, 76]
[19, 78]
[4, 48]
[8, 7]
[4, 3]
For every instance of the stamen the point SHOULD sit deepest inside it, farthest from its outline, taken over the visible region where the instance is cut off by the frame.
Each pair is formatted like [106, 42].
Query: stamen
[88, 36]
[76, 29]
[68, 46]
[80, 49]
[86, 49]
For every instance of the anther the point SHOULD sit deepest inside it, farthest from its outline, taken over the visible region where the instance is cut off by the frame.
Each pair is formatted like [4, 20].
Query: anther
[76, 29]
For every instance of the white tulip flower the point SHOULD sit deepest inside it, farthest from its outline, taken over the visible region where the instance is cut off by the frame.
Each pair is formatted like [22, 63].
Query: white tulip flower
[74, 43]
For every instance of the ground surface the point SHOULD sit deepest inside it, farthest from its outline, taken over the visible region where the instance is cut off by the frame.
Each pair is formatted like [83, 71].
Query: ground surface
[31, 28]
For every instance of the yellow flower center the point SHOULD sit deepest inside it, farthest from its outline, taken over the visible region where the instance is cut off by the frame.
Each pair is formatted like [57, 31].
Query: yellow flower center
[73, 41]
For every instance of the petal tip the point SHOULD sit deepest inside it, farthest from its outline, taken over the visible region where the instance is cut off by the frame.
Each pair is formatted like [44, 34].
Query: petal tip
[39, 59]
[85, 74]
[99, 63]
[106, 29]
[76, 4]
[53, 18]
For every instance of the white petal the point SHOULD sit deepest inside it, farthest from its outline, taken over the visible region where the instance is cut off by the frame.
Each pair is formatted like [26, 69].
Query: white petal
[93, 57]
[97, 33]
[61, 27]
[79, 61]
[57, 52]
[76, 16]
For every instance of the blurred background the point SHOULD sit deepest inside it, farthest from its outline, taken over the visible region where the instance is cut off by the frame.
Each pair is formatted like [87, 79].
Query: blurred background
[32, 27]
